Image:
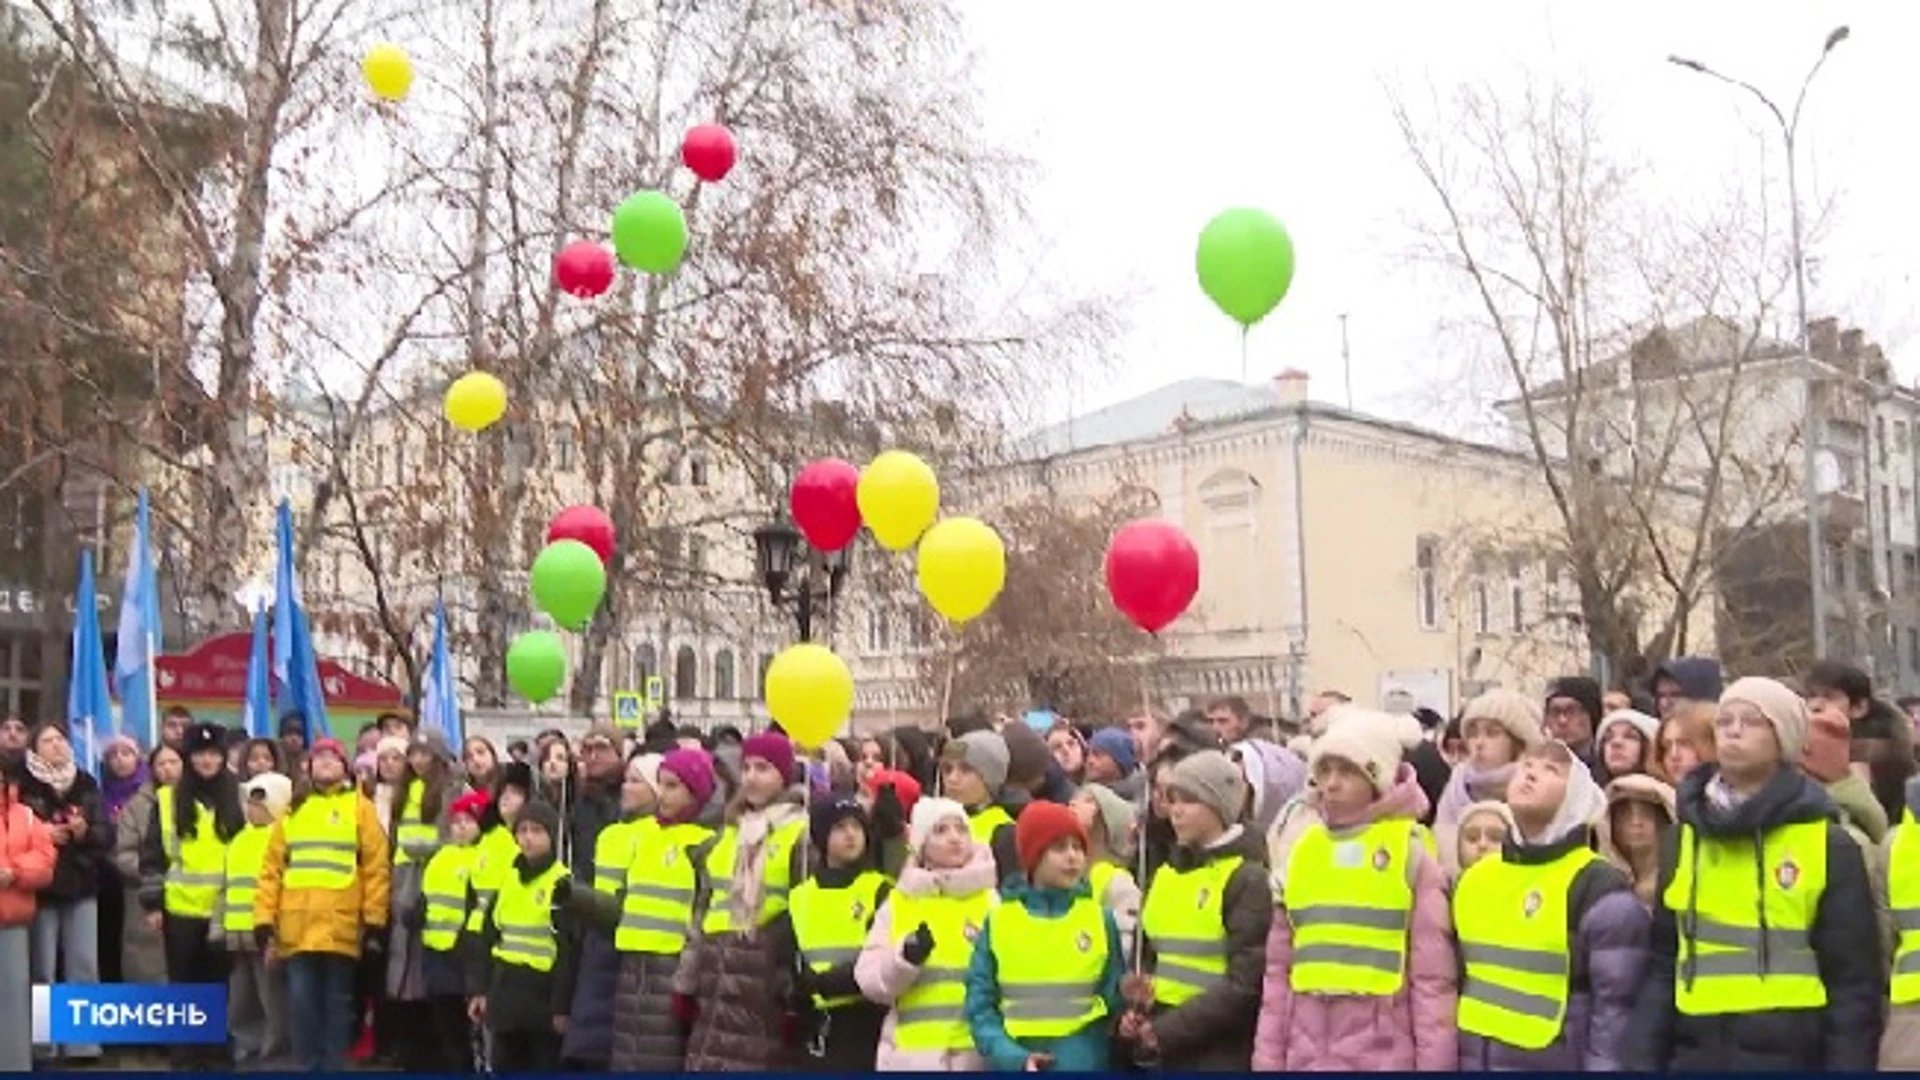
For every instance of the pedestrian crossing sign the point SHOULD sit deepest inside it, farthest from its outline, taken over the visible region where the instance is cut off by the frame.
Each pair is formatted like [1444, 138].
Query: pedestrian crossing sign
[656, 691]
[626, 709]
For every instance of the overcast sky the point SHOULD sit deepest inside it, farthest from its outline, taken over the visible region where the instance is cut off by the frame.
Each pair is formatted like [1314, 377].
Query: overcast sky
[1147, 118]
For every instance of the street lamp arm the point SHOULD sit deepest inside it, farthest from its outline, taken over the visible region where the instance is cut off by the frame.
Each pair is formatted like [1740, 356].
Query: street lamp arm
[1785, 127]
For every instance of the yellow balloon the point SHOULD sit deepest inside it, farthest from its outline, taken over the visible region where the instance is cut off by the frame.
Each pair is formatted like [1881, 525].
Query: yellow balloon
[388, 71]
[899, 497]
[475, 401]
[962, 568]
[810, 693]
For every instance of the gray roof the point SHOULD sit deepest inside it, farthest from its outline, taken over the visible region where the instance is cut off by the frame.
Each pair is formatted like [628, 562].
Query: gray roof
[1150, 414]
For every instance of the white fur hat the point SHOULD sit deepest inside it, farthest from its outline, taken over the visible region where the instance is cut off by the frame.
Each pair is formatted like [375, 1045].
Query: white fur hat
[928, 813]
[649, 766]
[1372, 741]
[275, 788]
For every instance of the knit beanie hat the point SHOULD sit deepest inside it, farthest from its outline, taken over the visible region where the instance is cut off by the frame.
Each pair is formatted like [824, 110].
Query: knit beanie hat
[542, 813]
[1581, 689]
[1515, 712]
[390, 744]
[1647, 726]
[1782, 708]
[1116, 744]
[327, 745]
[1040, 826]
[433, 743]
[928, 813]
[1214, 780]
[515, 774]
[694, 770]
[825, 815]
[1027, 756]
[275, 788]
[1369, 740]
[985, 753]
[1116, 819]
[473, 804]
[775, 750]
[648, 766]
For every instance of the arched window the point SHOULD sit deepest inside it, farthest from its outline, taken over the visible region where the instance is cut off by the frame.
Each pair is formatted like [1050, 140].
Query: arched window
[686, 674]
[760, 687]
[646, 664]
[723, 675]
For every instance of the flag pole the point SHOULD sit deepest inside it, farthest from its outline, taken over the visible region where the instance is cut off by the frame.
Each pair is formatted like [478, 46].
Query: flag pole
[153, 694]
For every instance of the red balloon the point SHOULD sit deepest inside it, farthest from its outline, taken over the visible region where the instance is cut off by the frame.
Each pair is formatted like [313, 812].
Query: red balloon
[588, 524]
[1153, 572]
[584, 269]
[709, 151]
[825, 505]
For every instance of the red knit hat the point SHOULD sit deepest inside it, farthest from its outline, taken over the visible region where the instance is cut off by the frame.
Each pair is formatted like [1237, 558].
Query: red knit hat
[905, 787]
[473, 804]
[1041, 825]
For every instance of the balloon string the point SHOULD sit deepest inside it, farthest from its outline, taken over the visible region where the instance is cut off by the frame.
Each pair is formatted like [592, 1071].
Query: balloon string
[1243, 354]
[1144, 814]
[946, 707]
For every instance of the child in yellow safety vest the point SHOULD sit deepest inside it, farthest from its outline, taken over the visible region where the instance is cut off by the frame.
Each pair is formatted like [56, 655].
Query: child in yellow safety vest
[522, 958]
[1109, 821]
[1044, 979]
[255, 1017]
[916, 955]
[832, 912]
[438, 918]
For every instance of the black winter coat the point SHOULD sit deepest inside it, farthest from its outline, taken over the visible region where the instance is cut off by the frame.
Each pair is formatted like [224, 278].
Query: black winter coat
[1213, 1032]
[520, 999]
[76, 873]
[847, 1038]
[1842, 1037]
[596, 805]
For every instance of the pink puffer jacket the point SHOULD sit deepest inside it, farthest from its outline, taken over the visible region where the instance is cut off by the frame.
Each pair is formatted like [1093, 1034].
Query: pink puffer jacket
[1411, 1030]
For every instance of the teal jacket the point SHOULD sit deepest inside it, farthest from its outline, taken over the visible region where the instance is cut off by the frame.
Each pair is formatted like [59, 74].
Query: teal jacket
[1084, 1050]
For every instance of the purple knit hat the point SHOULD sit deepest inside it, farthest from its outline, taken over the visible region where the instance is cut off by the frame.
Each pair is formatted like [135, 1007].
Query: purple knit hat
[694, 770]
[773, 749]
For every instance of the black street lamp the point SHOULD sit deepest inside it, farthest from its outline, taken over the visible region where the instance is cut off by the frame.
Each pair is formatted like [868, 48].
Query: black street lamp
[792, 570]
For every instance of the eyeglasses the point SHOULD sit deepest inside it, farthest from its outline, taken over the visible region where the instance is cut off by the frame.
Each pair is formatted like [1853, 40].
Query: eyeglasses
[1484, 834]
[596, 746]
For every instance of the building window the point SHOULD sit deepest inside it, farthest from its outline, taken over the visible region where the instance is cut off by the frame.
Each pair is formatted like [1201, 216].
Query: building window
[723, 675]
[563, 448]
[697, 467]
[400, 462]
[697, 553]
[686, 674]
[1516, 596]
[879, 637]
[766, 665]
[1909, 571]
[919, 629]
[1880, 440]
[1913, 649]
[1426, 582]
[1482, 602]
[646, 664]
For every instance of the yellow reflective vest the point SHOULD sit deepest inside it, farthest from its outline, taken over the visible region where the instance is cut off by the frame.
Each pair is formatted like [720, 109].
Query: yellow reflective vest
[414, 839]
[246, 852]
[612, 853]
[657, 895]
[1730, 961]
[443, 888]
[1511, 919]
[984, 823]
[1050, 970]
[777, 866]
[523, 914]
[1903, 896]
[932, 1015]
[1349, 899]
[830, 925]
[1184, 919]
[323, 841]
[491, 866]
[197, 867]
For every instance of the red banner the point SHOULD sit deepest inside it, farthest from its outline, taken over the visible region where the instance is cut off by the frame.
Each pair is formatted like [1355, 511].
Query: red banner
[216, 670]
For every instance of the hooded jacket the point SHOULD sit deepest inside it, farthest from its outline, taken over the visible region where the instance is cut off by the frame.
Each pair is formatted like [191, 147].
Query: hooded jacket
[1085, 1050]
[883, 975]
[1699, 677]
[1841, 1037]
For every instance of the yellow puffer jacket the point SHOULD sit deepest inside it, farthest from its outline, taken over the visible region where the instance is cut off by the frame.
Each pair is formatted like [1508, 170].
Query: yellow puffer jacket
[325, 920]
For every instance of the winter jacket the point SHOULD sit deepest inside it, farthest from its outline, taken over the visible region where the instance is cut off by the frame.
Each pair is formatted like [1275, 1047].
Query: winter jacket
[1866, 823]
[27, 853]
[1883, 739]
[884, 975]
[1006, 856]
[1275, 775]
[79, 863]
[1121, 898]
[1900, 1047]
[740, 980]
[1841, 1037]
[1409, 1030]
[1608, 942]
[1699, 677]
[325, 920]
[1213, 1031]
[1132, 787]
[596, 805]
[1085, 1050]
[1433, 772]
[143, 956]
[1641, 788]
[219, 801]
[591, 994]
[844, 1039]
[519, 998]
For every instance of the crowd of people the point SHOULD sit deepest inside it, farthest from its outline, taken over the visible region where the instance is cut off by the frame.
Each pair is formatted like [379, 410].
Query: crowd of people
[1673, 877]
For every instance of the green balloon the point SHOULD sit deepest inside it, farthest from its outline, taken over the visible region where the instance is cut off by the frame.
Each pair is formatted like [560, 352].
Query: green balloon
[1246, 263]
[649, 232]
[536, 665]
[568, 581]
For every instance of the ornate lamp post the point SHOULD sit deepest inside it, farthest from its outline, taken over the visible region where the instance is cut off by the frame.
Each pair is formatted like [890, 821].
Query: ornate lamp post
[792, 571]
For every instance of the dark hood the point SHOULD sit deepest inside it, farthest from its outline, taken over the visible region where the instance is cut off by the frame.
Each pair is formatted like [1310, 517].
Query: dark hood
[1790, 798]
[1517, 851]
[1699, 676]
[1240, 840]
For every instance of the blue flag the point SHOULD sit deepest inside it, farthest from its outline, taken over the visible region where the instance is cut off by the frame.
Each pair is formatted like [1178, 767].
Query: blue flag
[296, 669]
[88, 703]
[139, 635]
[257, 720]
[439, 696]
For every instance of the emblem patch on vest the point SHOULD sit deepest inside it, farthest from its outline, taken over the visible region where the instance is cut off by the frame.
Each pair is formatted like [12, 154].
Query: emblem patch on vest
[1382, 858]
[1530, 904]
[673, 853]
[859, 910]
[540, 897]
[333, 817]
[969, 931]
[1204, 894]
[1083, 942]
[1787, 873]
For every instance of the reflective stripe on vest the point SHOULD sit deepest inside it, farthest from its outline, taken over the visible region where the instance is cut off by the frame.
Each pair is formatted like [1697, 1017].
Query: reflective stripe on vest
[523, 912]
[1183, 918]
[830, 925]
[1349, 902]
[613, 853]
[932, 1014]
[1511, 920]
[414, 839]
[443, 886]
[245, 854]
[1727, 962]
[656, 903]
[491, 866]
[323, 841]
[196, 868]
[777, 883]
[1049, 969]
[1903, 896]
[987, 822]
